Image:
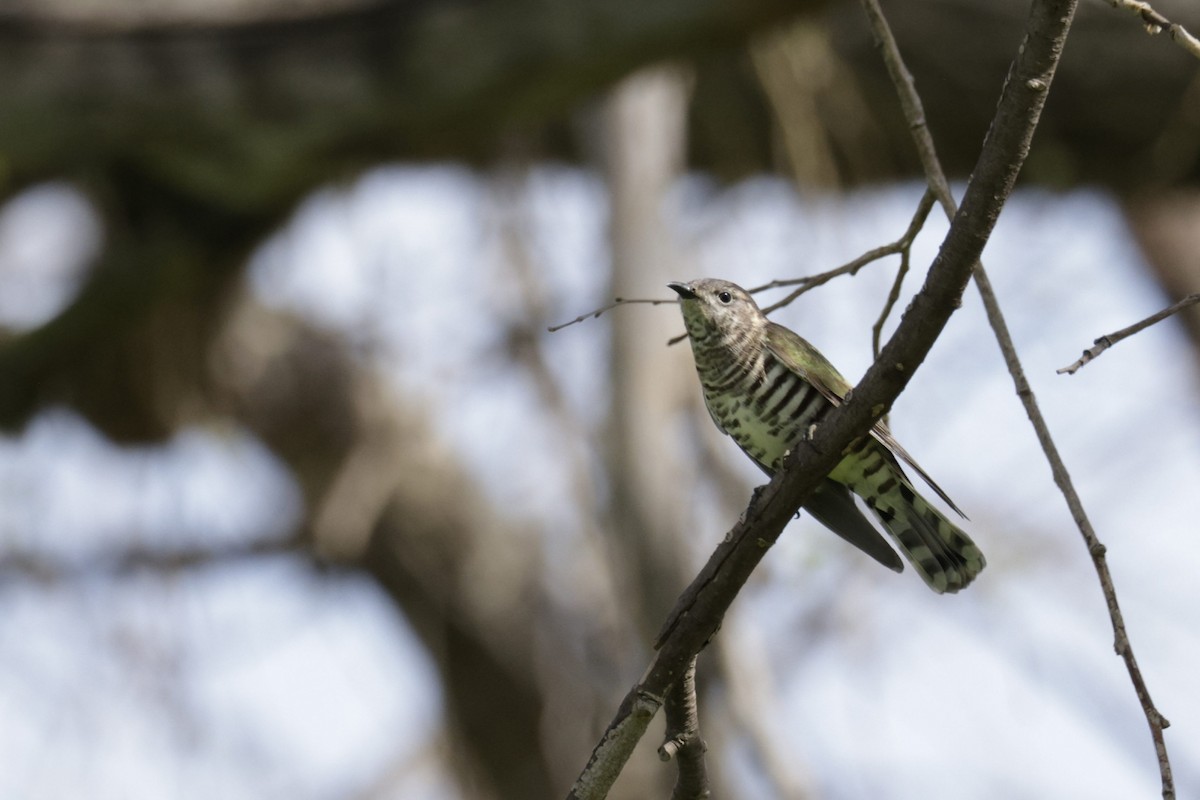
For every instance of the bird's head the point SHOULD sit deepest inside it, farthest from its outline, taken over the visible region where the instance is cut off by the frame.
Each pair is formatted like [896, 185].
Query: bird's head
[718, 308]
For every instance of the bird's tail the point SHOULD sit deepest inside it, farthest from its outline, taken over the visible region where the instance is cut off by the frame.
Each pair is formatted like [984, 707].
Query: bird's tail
[945, 557]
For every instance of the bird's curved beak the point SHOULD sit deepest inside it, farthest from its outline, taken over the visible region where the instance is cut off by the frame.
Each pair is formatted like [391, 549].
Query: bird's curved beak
[683, 290]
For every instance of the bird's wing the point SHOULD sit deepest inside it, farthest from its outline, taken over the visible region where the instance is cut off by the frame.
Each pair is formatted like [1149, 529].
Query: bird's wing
[881, 432]
[795, 352]
[799, 356]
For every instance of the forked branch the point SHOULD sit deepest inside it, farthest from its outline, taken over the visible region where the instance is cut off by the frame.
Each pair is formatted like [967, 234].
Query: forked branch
[900, 247]
[911, 103]
[703, 604]
[682, 741]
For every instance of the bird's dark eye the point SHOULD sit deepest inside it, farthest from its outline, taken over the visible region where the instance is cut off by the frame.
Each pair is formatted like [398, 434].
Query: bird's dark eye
[725, 297]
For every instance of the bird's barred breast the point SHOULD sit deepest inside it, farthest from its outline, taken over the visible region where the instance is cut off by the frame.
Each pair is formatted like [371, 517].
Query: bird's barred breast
[767, 411]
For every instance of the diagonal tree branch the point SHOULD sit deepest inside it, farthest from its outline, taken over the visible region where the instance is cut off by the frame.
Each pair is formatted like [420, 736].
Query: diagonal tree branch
[913, 111]
[703, 604]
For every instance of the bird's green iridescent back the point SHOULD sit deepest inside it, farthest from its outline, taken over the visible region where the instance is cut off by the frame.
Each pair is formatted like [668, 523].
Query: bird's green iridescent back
[766, 387]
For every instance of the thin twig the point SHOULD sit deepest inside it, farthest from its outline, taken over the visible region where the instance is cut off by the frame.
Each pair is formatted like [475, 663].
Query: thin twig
[1156, 23]
[618, 301]
[918, 221]
[1108, 340]
[682, 738]
[810, 282]
[703, 604]
[914, 112]
[901, 246]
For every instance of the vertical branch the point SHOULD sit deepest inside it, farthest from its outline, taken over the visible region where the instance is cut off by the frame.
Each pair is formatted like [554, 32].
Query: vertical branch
[914, 112]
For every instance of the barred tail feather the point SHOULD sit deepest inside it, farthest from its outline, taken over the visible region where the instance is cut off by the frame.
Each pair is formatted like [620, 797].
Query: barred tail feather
[945, 557]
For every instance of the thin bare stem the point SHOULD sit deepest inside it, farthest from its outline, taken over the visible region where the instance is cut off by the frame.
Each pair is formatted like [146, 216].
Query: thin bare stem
[918, 221]
[901, 246]
[1108, 340]
[914, 112]
[810, 282]
[682, 738]
[618, 301]
[1156, 23]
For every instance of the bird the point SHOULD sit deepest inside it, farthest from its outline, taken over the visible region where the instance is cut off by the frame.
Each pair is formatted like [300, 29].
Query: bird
[766, 387]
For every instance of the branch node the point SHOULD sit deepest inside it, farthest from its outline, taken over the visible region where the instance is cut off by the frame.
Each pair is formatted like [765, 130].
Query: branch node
[682, 738]
[676, 744]
[646, 702]
[1104, 342]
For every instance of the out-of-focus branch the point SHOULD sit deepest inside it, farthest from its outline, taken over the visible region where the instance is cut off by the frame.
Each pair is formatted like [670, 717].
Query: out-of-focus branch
[911, 102]
[794, 66]
[703, 604]
[123, 561]
[253, 113]
[751, 688]
[1108, 340]
[196, 139]
[435, 541]
[128, 351]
